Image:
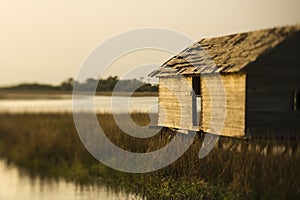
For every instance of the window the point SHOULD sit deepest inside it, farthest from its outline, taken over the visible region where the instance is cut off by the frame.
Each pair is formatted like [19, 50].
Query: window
[196, 85]
[296, 100]
[196, 100]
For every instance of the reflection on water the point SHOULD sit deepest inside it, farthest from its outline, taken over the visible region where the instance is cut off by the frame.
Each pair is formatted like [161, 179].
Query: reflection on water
[102, 104]
[16, 186]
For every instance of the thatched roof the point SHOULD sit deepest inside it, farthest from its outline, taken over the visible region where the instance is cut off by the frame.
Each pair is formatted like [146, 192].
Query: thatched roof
[226, 54]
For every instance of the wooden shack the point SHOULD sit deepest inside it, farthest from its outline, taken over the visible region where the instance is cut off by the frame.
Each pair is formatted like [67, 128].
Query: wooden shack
[258, 73]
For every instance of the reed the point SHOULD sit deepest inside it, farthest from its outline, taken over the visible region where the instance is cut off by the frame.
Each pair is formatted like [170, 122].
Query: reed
[47, 145]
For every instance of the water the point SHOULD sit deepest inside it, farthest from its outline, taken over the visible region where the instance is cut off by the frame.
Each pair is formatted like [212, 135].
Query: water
[102, 104]
[15, 186]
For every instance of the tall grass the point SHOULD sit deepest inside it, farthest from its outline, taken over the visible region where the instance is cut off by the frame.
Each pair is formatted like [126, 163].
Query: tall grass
[48, 145]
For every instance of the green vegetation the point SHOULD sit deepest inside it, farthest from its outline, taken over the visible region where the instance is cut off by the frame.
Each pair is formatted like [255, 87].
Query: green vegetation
[47, 145]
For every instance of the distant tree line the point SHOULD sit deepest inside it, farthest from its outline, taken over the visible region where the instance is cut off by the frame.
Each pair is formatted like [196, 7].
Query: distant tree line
[113, 83]
[31, 86]
[107, 84]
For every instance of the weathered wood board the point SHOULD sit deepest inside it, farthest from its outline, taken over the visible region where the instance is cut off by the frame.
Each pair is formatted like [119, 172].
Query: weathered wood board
[214, 106]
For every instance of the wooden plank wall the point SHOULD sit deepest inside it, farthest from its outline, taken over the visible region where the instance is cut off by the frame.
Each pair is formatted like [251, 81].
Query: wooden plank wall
[271, 82]
[175, 102]
[233, 105]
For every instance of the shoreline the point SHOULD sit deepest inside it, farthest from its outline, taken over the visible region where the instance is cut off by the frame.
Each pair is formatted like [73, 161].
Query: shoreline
[32, 94]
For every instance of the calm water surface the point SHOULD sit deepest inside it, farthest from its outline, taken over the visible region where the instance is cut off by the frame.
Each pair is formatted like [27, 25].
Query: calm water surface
[16, 186]
[102, 104]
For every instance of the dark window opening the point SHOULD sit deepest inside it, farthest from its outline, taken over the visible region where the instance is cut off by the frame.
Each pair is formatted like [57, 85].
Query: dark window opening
[196, 100]
[196, 85]
[296, 100]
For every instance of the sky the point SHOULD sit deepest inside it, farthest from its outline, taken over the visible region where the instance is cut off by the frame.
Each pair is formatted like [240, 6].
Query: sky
[48, 41]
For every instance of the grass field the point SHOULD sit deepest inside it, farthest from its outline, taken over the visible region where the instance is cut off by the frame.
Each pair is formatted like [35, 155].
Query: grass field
[47, 145]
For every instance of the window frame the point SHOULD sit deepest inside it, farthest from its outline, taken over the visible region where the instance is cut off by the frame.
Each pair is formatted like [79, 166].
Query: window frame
[296, 100]
[196, 82]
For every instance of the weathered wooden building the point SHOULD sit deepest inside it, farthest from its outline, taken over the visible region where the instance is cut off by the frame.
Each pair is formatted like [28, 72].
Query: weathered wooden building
[233, 85]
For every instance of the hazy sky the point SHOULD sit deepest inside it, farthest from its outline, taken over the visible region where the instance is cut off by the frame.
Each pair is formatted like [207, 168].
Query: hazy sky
[47, 41]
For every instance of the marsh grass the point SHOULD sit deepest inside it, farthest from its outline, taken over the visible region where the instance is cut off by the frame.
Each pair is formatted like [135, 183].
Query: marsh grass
[47, 145]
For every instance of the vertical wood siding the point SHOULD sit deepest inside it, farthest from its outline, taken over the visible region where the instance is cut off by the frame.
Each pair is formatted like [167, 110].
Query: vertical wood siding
[271, 83]
[175, 102]
[234, 108]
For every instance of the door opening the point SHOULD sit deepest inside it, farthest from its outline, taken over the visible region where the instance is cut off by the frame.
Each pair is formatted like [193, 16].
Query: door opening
[196, 100]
